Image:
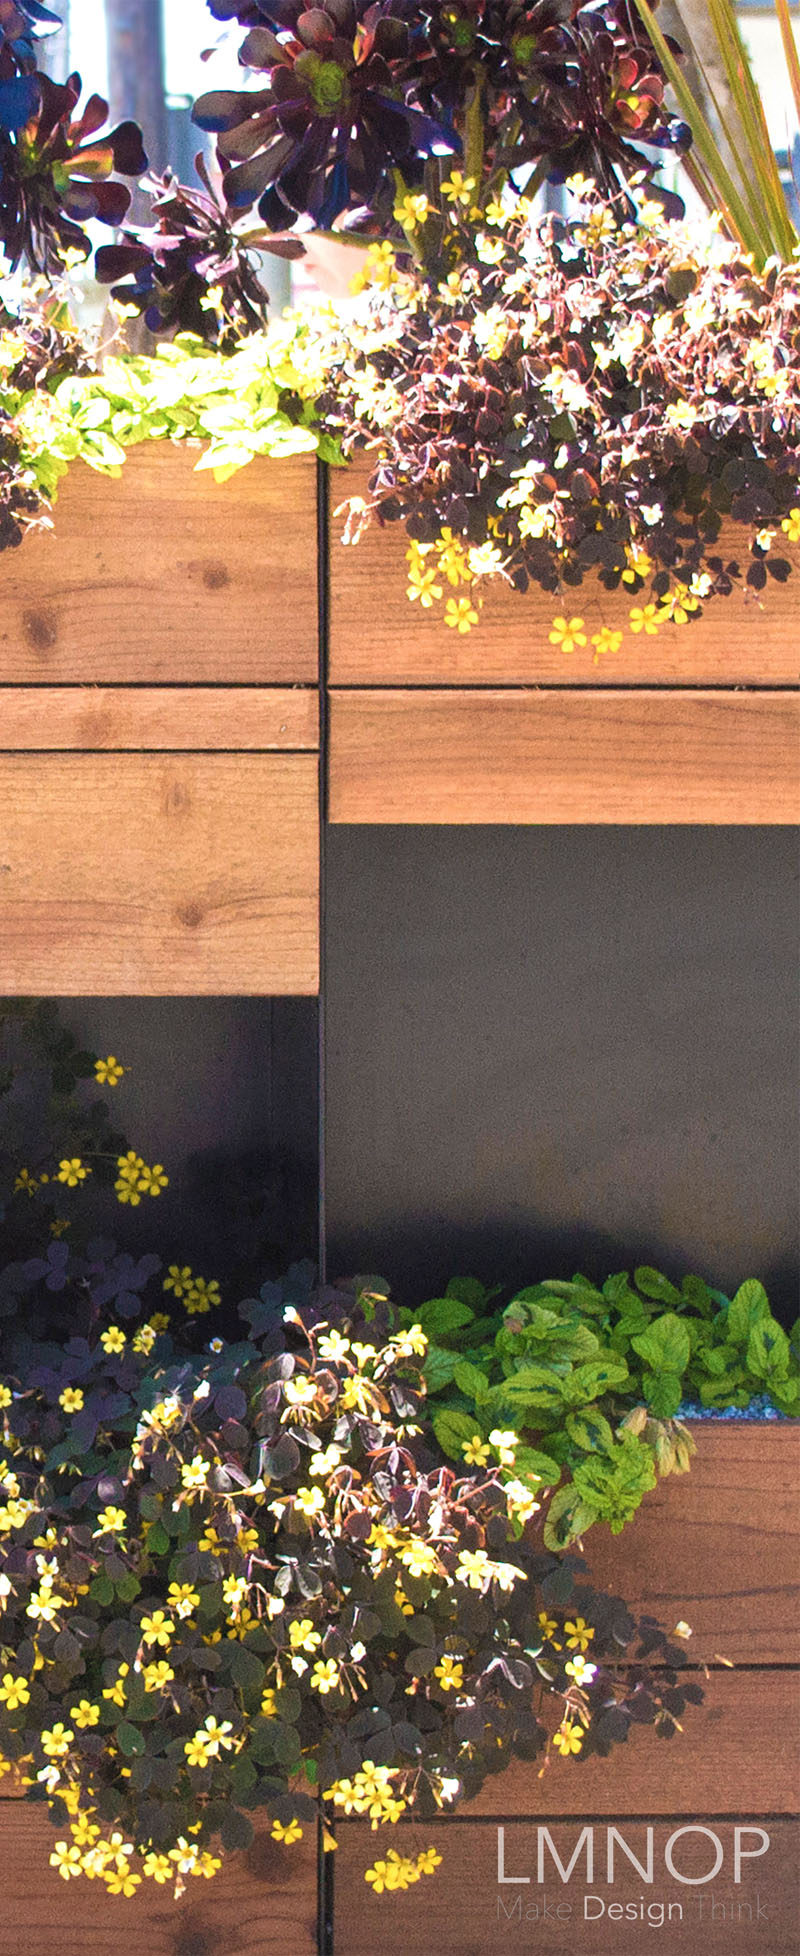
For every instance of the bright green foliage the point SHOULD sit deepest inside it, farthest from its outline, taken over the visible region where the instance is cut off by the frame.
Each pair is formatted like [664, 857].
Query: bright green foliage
[591, 1380]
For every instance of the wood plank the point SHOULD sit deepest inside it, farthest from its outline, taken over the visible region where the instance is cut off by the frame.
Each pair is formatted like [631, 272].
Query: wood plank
[262, 1903]
[464, 1911]
[378, 638]
[164, 574]
[718, 1546]
[38, 718]
[128, 874]
[552, 756]
[739, 1751]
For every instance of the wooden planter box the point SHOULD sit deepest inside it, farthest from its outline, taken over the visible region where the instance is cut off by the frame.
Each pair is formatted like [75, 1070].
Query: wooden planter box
[717, 1547]
[158, 771]
[426, 725]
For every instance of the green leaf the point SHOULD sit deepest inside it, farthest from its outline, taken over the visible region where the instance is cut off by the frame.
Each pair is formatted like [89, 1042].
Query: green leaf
[746, 1309]
[453, 1429]
[129, 1740]
[128, 1588]
[540, 1467]
[591, 1431]
[442, 1316]
[102, 1591]
[665, 1346]
[532, 1385]
[593, 1380]
[471, 1380]
[158, 1541]
[246, 1669]
[768, 1351]
[663, 1392]
[439, 1368]
[653, 1283]
[568, 1516]
[236, 1830]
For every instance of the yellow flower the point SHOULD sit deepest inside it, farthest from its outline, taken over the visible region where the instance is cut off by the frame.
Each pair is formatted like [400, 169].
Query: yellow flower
[422, 584]
[157, 1629]
[144, 1339]
[113, 1340]
[115, 1692]
[579, 1634]
[14, 1692]
[216, 1737]
[157, 1676]
[412, 1343]
[85, 1714]
[644, 618]
[194, 1473]
[201, 1296]
[324, 1676]
[473, 1568]
[568, 1738]
[326, 1460]
[26, 1183]
[196, 1752]
[681, 414]
[122, 1881]
[72, 1171]
[269, 1708]
[153, 1180]
[419, 1558]
[791, 525]
[605, 640]
[567, 633]
[159, 1322]
[177, 1279]
[450, 1674]
[458, 189]
[286, 1835]
[411, 211]
[300, 1391]
[333, 1345]
[578, 1669]
[475, 1451]
[59, 1226]
[66, 1859]
[234, 1590]
[6, 1397]
[56, 1742]
[460, 614]
[428, 1861]
[310, 1501]
[303, 1636]
[108, 1072]
[158, 1867]
[110, 1521]
[182, 1598]
[71, 1399]
[506, 1443]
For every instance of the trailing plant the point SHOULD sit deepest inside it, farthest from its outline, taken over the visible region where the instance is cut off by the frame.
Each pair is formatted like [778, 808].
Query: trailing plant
[238, 1583]
[591, 396]
[577, 1387]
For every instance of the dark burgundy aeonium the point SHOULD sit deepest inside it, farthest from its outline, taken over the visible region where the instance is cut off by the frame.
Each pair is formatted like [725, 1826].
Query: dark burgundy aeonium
[56, 174]
[166, 271]
[358, 94]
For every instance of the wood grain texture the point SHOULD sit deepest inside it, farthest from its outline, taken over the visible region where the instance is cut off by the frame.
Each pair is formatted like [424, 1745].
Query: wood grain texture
[262, 1903]
[378, 638]
[163, 574]
[458, 1912]
[128, 874]
[739, 1749]
[148, 718]
[718, 1546]
[552, 756]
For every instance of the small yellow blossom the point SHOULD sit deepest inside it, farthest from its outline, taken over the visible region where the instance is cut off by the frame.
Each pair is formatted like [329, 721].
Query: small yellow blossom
[303, 1636]
[568, 1738]
[157, 1629]
[177, 1279]
[578, 1669]
[605, 640]
[567, 633]
[157, 1676]
[71, 1399]
[194, 1473]
[113, 1340]
[506, 1442]
[460, 615]
[56, 1741]
[153, 1180]
[14, 1692]
[333, 1345]
[158, 1867]
[72, 1171]
[324, 1676]
[66, 1859]
[115, 1692]
[326, 1460]
[681, 414]
[791, 525]
[108, 1072]
[6, 1398]
[450, 1674]
[286, 1835]
[182, 1598]
[85, 1714]
[475, 1451]
[25, 1183]
[196, 1751]
[201, 1296]
[110, 1520]
[458, 189]
[310, 1501]
[644, 618]
[578, 1634]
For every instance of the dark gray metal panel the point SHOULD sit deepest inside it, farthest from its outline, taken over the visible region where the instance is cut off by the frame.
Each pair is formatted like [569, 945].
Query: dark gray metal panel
[562, 1048]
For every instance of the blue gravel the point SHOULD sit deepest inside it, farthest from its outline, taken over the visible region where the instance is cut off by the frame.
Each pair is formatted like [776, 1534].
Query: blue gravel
[759, 1408]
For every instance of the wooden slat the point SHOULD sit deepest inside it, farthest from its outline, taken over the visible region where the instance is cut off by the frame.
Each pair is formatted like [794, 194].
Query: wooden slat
[164, 574]
[739, 1749]
[717, 1546]
[378, 638]
[262, 1903]
[457, 1911]
[128, 874]
[153, 717]
[561, 757]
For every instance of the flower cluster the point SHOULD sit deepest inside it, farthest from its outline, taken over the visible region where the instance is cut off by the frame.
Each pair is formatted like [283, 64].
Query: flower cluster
[244, 1582]
[595, 396]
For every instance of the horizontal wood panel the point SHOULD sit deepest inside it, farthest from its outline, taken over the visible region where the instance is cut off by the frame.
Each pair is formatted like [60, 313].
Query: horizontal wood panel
[560, 757]
[153, 717]
[379, 638]
[717, 1546]
[164, 574]
[131, 874]
[739, 1750]
[262, 1903]
[462, 1910]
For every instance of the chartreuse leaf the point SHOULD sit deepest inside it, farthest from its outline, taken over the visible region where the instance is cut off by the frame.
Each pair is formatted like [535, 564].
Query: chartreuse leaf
[471, 1380]
[768, 1351]
[453, 1430]
[653, 1283]
[663, 1392]
[665, 1345]
[443, 1315]
[591, 1431]
[746, 1309]
[568, 1515]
